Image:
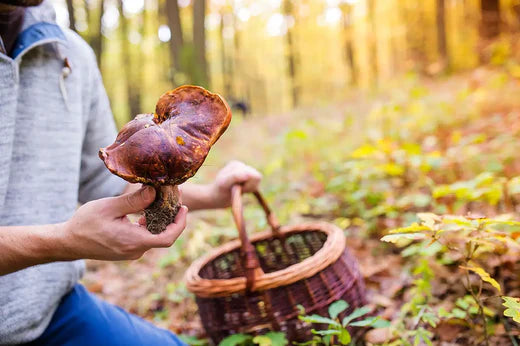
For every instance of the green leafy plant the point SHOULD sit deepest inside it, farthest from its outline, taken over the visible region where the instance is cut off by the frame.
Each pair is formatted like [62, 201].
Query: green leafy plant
[512, 308]
[469, 240]
[193, 340]
[416, 315]
[485, 187]
[268, 339]
[337, 331]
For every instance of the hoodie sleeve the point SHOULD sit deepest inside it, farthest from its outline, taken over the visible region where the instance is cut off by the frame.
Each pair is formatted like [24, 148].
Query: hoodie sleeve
[96, 181]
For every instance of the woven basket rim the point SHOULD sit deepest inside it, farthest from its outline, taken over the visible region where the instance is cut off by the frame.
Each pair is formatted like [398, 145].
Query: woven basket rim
[329, 253]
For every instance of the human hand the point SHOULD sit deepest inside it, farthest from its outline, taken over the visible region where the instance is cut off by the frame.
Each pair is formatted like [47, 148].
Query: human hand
[101, 230]
[235, 172]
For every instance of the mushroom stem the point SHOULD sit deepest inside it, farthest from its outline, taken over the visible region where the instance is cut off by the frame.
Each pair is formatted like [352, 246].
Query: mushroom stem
[164, 208]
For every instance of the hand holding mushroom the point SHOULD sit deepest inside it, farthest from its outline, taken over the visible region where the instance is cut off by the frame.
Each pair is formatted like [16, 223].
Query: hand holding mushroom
[166, 148]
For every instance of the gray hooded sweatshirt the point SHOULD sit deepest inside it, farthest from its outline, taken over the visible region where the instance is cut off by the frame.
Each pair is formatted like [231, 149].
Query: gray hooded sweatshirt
[53, 120]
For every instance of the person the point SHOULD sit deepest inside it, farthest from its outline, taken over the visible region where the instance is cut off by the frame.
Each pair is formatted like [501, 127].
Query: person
[54, 116]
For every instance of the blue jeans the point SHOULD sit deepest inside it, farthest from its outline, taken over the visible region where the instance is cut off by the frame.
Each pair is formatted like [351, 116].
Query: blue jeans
[83, 319]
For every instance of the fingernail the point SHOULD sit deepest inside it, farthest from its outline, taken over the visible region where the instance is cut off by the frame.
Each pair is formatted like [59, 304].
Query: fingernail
[147, 192]
[185, 209]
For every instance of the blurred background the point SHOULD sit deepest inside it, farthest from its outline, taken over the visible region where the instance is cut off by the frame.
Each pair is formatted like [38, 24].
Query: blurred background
[361, 113]
[274, 55]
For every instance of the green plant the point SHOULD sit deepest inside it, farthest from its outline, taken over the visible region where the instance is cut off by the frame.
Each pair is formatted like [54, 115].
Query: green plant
[470, 241]
[337, 331]
[483, 188]
[513, 308]
[416, 315]
[269, 339]
[193, 340]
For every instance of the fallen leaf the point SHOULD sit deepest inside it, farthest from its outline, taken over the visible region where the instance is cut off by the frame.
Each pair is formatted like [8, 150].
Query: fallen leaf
[448, 331]
[379, 335]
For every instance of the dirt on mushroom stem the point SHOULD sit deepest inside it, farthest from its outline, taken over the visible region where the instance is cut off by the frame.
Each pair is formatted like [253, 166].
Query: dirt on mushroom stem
[163, 209]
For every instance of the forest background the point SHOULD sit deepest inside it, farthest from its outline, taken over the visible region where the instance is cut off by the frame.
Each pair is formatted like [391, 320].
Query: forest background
[396, 120]
[276, 55]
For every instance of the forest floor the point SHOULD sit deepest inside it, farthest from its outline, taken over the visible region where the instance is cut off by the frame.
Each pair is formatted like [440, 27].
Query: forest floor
[456, 128]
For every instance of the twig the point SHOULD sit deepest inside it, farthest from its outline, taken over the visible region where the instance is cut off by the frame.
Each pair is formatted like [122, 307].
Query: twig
[508, 330]
[419, 316]
[480, 307]
[471, 251]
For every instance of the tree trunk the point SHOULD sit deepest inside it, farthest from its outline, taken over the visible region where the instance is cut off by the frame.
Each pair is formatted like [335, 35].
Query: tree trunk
[288, 10]
[88, 35]
[72, 18]
[239, 79]
[176, 40]
[441, 34]
[372, 43]
[489, 27]
[516, 11]
[133, 92]
[97, 41]
[87, 11]
[490, 19]
[199, 42]
[226, 69]
[349, 47]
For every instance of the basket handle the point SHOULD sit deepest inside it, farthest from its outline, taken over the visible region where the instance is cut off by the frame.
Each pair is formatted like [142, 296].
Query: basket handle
[271, 218]
[249, 258]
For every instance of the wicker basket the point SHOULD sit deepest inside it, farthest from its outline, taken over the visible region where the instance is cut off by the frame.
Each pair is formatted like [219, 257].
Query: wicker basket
[253, 286]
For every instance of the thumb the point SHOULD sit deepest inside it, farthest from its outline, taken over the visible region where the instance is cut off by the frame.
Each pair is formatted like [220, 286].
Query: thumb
[133, 202]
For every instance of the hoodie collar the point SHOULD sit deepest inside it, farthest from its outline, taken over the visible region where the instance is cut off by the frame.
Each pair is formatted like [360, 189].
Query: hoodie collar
[39, 28]
[41, 13]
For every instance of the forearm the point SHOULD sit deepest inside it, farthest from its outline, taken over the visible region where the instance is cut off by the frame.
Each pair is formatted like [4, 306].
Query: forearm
[198, 196]
[25, 246]
[218, 193]
[98, 230]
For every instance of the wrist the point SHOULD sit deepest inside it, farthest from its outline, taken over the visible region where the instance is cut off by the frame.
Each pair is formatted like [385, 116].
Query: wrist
[212, 194]
[60, 239]
[218, 197]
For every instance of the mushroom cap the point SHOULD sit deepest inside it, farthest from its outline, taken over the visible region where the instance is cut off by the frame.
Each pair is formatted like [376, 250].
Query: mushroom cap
[169, 146]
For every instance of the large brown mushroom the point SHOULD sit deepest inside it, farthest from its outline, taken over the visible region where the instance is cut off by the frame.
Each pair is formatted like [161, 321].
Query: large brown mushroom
[166, 148]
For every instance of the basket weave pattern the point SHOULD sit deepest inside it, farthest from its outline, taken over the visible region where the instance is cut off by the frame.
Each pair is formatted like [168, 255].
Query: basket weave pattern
[306, 265]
